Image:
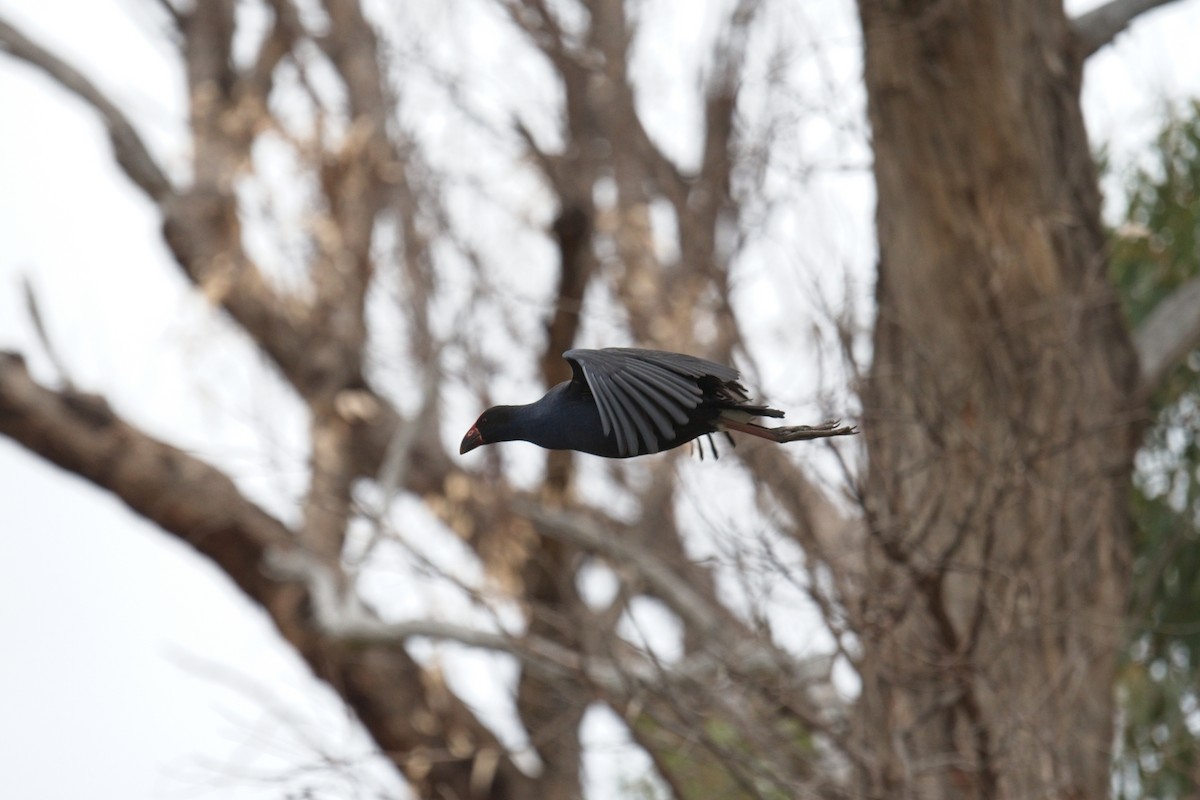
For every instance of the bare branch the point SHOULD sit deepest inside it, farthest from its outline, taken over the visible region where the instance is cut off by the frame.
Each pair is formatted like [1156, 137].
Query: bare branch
[131, 152]
[201, 506]
[327, 505]
[43, 333]
[195, 502]
[1168, 335]
[342, 615]
[178, 18]
[829, 536]
[666, 585]
[720, 113]
[200, 224]
[550, 164]
[278, 42]
[539, 24]
[1101, 25]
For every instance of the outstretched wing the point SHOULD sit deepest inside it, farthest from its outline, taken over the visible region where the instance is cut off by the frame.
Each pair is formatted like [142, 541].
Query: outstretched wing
[643, 395]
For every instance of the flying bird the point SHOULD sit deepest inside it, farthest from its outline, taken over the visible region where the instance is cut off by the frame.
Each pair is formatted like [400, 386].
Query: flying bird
[623, 402]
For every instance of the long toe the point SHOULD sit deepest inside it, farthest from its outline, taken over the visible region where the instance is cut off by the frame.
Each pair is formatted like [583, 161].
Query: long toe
[798, 433]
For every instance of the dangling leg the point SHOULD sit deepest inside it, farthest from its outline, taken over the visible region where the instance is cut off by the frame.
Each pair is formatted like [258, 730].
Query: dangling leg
[794, 433]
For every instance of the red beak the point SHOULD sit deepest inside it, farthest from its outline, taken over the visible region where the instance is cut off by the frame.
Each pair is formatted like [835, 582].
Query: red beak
[470, 441]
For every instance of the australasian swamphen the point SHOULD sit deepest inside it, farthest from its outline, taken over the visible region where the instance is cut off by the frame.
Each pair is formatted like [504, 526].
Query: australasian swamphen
[623, 402]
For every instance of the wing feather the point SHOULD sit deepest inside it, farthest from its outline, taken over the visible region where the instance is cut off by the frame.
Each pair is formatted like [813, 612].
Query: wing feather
[630, 403]
[609, 411]
[583, 375]
[683, 364]
[663, 407]
[683, 391]
[644, 395]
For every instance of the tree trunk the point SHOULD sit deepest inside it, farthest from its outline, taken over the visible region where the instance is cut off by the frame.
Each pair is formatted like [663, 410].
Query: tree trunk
[998, 413]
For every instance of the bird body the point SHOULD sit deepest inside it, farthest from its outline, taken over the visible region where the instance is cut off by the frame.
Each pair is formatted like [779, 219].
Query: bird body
[624, 402]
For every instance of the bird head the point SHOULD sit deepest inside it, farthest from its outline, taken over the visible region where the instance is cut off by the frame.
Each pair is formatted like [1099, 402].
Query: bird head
[494, 425]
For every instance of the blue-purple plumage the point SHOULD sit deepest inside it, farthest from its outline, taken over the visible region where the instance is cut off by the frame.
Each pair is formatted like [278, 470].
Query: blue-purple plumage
[623, 402]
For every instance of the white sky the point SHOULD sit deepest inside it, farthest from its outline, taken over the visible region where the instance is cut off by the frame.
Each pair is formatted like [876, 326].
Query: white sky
[131, 668]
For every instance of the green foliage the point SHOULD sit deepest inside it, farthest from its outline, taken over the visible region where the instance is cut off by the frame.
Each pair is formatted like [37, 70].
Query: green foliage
[1155, 251]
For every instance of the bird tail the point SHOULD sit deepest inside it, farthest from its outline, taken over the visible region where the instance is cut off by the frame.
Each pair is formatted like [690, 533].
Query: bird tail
[757, 411]
[740, 408]
[731, 398]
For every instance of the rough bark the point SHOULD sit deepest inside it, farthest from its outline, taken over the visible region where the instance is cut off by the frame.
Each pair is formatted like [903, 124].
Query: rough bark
[998, 414]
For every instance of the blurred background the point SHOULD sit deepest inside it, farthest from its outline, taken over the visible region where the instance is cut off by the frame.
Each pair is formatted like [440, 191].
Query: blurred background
[264, 263]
